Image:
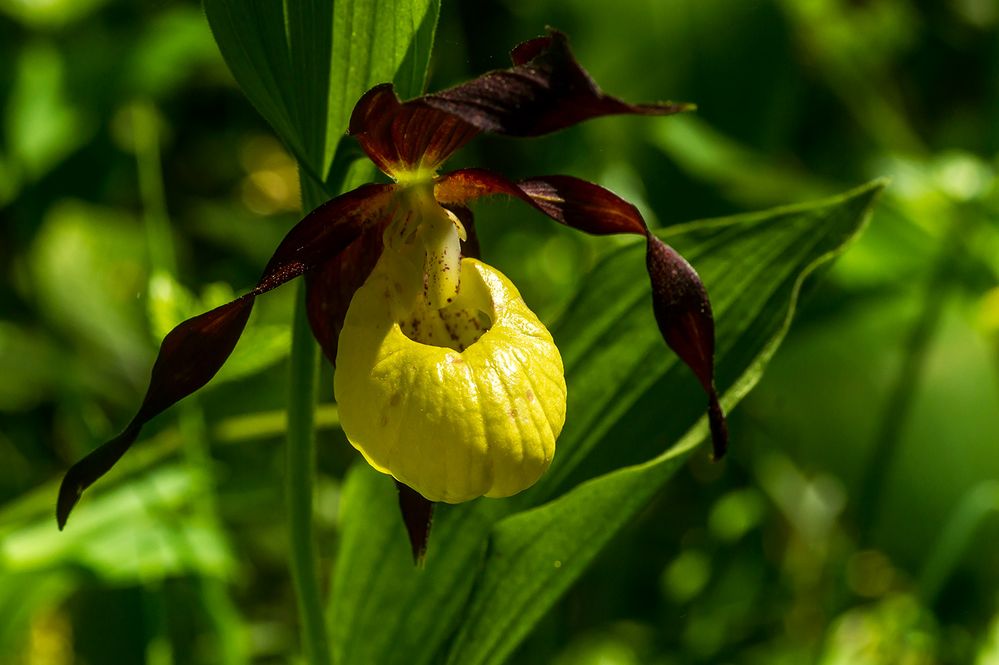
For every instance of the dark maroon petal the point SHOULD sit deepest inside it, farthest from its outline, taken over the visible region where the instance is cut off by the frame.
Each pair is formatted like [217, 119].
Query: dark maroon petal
[524, 52]
[683, 313]
[323, 232]
[570, 201]
[330, 288]
[679, 299]
[193, 352]
[546, 90]
[465, 185]
[404, 137]
[583, 205]
[189, 357]
[417, 515]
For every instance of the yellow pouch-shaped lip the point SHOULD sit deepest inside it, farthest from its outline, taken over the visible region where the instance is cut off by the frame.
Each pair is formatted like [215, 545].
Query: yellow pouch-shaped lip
[476, 415]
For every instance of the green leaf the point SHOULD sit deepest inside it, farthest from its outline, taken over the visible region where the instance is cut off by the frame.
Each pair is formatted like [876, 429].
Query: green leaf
[251, 36]
[173, 44]
[754, 267]
[400, 34]
[129, 519]
[492, 572]
[304, 65]
[43, 127]
[45, 15]
[32, 365]
[261, 346]
[87, 265]
[743, 175]
[22, 596]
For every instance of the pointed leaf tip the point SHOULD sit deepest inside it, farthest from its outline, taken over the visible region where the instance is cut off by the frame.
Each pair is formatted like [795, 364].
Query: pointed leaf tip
[417, 515]
[683, 312]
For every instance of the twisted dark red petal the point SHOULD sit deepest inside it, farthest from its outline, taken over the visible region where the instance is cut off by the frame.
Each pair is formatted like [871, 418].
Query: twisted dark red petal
[679, 299]
[193, 352]
[570, 201]
[583, 205]
[546, 90]
[400, 137]
[330, 288]
[683, 312]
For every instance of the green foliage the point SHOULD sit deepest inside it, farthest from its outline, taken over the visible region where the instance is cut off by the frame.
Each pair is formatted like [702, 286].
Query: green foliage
[304, 65]
[138, 187]
[42, 127]
[101, 252]
[183, 543]
[495, 568]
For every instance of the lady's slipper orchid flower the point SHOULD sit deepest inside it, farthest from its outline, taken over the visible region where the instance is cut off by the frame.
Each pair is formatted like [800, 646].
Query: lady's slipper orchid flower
[444, 378]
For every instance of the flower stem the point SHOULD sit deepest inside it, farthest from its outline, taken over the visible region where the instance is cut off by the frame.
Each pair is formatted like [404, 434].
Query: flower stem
[979, 503]
[299, 475]
[145, 135]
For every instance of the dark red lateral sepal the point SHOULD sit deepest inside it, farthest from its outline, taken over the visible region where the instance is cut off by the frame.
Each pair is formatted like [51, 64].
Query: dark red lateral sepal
[546, 90]
[324, 233]
[194, 351]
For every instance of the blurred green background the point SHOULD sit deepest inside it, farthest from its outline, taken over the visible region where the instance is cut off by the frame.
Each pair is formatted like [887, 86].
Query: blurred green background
[855, 519]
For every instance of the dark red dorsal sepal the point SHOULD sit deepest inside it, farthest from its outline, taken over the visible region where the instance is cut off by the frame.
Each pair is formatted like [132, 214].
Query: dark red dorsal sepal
[401, 137]
[545, 90]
